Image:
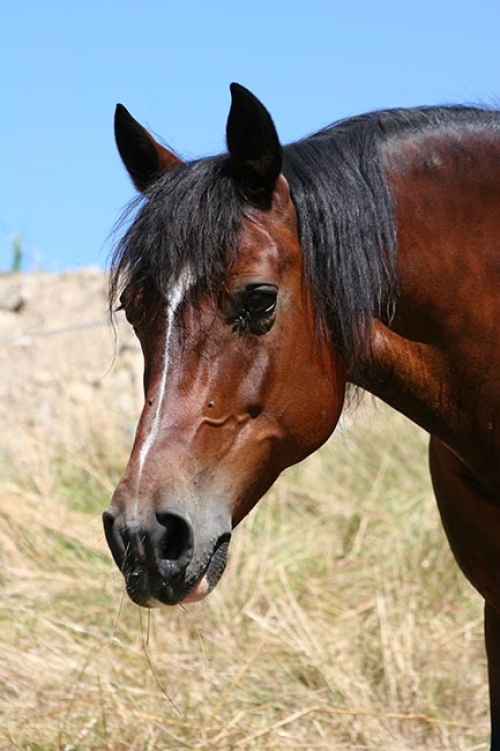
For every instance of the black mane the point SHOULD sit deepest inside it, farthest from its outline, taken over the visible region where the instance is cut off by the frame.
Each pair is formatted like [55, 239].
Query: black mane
[192, 215]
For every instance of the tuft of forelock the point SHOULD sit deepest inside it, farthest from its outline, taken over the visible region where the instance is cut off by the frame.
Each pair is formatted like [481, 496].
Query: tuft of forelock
[188, 218]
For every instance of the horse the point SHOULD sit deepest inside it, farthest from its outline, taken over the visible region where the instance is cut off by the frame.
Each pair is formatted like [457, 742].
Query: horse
[265, 284]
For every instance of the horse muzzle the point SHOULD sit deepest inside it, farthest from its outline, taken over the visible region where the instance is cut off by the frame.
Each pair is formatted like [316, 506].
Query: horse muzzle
[161, 561]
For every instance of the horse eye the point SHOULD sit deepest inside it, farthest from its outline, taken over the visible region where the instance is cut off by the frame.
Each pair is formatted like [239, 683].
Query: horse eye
[131, 303]
[260, 302]
[252, 309]
[132, 315]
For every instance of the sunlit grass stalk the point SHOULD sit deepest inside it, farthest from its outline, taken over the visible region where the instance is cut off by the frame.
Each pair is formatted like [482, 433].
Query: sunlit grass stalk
[342, 621]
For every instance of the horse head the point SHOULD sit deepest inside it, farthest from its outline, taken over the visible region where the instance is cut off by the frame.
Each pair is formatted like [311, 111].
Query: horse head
[239, 382]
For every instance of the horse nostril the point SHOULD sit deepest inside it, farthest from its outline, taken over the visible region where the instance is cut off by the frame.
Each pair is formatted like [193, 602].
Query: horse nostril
[114, 541]
[177, 541]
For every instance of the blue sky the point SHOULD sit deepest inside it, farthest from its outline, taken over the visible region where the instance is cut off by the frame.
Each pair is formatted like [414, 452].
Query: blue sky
[64, 65]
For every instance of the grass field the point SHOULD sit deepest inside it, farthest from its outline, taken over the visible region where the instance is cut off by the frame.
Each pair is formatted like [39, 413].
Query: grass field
[341, 623]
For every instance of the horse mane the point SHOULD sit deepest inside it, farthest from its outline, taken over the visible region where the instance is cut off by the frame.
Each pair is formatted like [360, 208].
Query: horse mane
[191, 217]
[346, 227]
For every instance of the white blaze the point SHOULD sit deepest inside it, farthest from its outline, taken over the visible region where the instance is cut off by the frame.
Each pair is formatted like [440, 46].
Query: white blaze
[177, 294]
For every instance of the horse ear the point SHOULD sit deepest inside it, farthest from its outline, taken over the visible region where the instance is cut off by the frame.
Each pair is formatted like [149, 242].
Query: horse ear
[255, 152]
[144, 158]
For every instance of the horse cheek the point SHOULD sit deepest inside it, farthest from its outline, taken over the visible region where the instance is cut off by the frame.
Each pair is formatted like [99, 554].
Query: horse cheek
[315, 408]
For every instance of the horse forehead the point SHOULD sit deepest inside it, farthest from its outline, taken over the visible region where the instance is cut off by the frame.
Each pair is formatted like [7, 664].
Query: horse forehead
[179, 288]
[174, 302]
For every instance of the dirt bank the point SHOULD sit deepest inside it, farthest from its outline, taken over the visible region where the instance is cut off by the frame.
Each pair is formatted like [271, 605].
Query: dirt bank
[59, 352]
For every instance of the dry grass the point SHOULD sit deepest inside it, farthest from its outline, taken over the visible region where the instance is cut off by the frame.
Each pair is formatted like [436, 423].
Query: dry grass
[341, 623]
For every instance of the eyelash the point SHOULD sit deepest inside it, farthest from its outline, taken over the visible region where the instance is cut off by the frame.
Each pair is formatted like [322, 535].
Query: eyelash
[244, 324]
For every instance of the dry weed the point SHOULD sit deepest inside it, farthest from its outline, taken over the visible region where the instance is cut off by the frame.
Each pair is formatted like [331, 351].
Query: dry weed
[341, 623]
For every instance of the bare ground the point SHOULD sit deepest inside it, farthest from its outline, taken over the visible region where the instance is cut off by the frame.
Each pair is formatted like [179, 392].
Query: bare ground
[58, 351]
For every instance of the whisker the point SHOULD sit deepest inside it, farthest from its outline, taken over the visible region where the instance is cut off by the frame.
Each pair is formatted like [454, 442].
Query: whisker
[145, 637]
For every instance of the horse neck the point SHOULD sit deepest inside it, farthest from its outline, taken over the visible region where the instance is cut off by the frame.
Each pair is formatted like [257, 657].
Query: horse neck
[438, 361]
